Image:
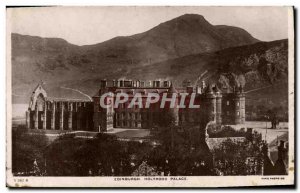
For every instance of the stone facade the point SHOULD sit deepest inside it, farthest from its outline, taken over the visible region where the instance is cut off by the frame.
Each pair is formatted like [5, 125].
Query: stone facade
[221, 108]
[67, 115]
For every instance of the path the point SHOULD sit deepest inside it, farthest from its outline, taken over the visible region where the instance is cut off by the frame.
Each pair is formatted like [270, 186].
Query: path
[256, 89]
[77, 91]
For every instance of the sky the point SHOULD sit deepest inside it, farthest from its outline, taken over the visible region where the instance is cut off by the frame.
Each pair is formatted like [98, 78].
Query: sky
[91, 25]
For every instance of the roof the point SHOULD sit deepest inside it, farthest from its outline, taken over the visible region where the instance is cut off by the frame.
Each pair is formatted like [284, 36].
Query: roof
[61, 93]
[133, 90]
[208, 89]
[141, 90]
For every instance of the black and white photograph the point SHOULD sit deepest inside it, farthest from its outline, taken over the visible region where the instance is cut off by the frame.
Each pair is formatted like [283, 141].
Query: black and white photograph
[150, 96]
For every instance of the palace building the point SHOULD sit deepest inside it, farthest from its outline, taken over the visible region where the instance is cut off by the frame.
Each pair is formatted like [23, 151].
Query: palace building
[87, 115]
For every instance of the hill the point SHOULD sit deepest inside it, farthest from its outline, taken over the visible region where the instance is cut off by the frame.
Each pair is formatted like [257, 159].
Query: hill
[184, 35]
[56, 61]
[261, 68]
[182, 48]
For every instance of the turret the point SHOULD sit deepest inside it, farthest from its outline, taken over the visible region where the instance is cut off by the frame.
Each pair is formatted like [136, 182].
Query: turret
[173, 111]
[218, 105]
[239, 101]
[210, 99]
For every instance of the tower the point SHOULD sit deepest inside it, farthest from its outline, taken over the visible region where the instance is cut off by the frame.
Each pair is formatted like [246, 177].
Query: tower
[218, 105]
[210, 98]
[173, 112]
[239, 103]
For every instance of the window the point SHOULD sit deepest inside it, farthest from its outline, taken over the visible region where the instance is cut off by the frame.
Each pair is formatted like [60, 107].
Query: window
[136, 115]
[227, 103]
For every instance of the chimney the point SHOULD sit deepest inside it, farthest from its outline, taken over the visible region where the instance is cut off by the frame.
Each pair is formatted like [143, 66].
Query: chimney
[121, 83]
[154, 83]
[131, 83]
[166, 83]
[158, 83]
[103, 83]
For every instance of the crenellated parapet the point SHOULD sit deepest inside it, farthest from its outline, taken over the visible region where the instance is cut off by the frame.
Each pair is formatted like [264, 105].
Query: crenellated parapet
[240, 113]
[128, 83]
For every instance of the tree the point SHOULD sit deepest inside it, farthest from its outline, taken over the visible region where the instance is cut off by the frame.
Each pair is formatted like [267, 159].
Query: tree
[240, 157]
[224, 131]
[59, 156]
[181, 150]
[145, 170]
[103, 155]
[27, 152]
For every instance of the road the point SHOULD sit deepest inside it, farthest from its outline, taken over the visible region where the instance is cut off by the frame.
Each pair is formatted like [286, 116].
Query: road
[256, 89]
[76, 90]
[260, 127]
